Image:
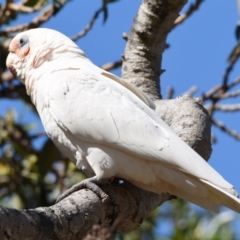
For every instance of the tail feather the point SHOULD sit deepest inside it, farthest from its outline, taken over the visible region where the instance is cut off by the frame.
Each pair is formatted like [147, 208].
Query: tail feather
[202, 202]
[224, 198]
[206, 201]
[215, 198]
[198, 191]
[159, 178]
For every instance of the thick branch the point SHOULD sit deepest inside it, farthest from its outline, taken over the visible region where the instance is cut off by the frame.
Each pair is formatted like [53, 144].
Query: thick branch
[141, 66]
[190, 120]
[74, 216]
[146, 43]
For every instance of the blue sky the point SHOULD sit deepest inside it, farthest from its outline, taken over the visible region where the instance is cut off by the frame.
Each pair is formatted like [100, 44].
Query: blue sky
[197, 57]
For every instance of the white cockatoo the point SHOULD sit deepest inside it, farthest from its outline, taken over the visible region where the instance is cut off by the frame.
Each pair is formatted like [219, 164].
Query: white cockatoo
[106, 126]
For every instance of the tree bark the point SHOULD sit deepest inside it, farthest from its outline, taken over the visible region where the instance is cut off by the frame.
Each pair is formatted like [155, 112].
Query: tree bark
[146, 43]
[128, 205]
[75, 215]
[190, 120]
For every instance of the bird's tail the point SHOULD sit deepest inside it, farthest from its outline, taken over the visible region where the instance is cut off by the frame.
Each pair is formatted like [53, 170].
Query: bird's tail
[223, 197]
[215, 198]
[198, 191]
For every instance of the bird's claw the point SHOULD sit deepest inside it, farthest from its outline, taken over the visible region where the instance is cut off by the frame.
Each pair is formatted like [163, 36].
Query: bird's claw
[89, 183]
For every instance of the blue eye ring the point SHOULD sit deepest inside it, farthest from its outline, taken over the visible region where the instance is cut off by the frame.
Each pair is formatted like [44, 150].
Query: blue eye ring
[23, 41]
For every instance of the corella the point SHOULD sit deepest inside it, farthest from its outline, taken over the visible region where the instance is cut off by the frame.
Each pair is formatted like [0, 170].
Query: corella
[106, 126]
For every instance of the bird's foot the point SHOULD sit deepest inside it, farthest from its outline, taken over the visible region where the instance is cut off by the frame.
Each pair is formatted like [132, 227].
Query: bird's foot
[89, 183]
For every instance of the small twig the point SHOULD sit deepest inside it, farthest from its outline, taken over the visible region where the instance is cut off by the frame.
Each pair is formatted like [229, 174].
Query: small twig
[234, 83]
[213, 138]
[226, 129]
[88, 27]
[228, 71]
[230, 95]
[217, 92]
[44, 16]
[190, 11]
[211, 93]
[25, 9]
[235, 53]
[227, 107]
[191, 91]
[112, 65]
[3, 11]
[170, 93]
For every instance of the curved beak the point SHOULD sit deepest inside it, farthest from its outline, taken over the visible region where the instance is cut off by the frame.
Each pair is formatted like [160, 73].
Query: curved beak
[9, 63]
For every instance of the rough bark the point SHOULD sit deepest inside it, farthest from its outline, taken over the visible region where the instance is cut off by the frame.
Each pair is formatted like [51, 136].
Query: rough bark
[128, 206]
[146, 43]
[190, 120]
[75, 215]
[142, 67]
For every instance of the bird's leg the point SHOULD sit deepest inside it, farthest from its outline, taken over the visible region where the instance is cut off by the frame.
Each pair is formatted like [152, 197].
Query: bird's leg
[89, 183]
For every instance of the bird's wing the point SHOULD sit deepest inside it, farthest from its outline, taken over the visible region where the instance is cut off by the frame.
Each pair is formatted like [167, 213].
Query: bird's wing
[103, 111]
[132, 88]
[98, 110]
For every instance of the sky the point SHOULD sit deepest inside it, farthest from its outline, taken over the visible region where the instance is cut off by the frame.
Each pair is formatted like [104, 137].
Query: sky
[197, 57]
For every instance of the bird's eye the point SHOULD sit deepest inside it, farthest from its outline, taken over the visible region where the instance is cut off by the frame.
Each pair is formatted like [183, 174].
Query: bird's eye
[23, 41]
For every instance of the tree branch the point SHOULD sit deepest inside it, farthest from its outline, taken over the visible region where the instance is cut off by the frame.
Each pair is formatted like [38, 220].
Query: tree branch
[43, 17]
[4, 11]
[227, 107]
[141, 66]
[193, 7]
[146, 43]
[87, 28]
[225, 129]
[20, 7]
[75, 215]
[112, 65]
[192, 123]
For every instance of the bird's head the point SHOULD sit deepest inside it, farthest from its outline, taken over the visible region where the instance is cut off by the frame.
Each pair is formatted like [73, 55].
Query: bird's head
[23, 47]
[31, 49]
